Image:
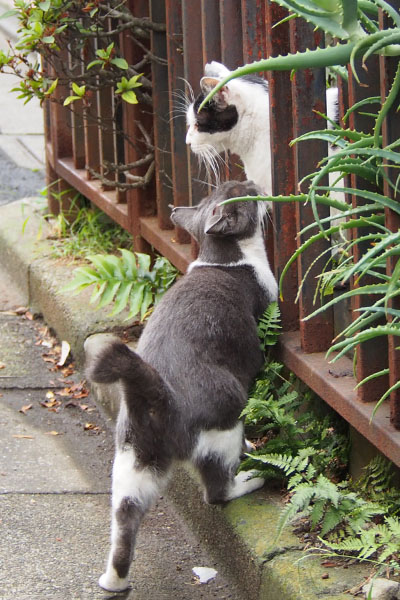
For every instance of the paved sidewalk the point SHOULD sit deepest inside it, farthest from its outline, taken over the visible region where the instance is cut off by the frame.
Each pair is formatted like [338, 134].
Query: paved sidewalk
[22, 154]
[54, 488]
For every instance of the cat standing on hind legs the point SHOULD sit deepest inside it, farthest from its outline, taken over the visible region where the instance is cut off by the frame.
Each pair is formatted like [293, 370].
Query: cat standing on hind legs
[183, 390]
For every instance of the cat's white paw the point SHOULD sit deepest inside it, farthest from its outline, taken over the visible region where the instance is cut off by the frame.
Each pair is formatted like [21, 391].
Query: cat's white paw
[249, 446]
[244, 483]
[112, 583]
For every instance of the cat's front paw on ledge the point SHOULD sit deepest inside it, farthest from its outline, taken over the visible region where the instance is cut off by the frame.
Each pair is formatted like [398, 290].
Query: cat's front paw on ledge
[112, 583]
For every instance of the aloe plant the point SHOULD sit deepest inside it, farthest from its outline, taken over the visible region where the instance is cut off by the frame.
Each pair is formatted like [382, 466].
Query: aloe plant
[362, 154]
[346, 20]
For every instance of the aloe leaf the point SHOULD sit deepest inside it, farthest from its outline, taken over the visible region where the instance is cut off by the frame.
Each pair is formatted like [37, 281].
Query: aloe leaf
[360, 104]
[377, 288]
[321, 57]
[375, 197]
[391, 97]
[392, 37]
[392, 12]
[331, 135]
[390, 239]
[325, 200]
[354, 223]
[371, 377]
[394, 282]
[394, 387]
[328, 21]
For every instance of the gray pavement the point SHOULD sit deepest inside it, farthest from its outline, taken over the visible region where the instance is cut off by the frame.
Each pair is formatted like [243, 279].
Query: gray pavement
[55, 463]
[22, 155]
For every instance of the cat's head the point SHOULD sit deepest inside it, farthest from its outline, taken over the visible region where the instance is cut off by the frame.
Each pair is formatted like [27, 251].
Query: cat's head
[218, 120]
[239, 220]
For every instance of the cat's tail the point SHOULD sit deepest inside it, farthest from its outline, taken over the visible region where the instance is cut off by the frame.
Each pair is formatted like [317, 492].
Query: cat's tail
[109, 360]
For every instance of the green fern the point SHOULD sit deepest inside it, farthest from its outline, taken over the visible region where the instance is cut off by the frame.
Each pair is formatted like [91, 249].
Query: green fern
[380, 542]
[269, 325]
[125, 281]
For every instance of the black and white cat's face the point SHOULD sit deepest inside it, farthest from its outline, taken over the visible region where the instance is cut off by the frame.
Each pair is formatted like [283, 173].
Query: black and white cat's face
[226, 121]
[239, 219]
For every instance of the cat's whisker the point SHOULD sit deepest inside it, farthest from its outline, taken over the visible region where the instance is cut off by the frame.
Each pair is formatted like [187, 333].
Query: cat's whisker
[189, 89]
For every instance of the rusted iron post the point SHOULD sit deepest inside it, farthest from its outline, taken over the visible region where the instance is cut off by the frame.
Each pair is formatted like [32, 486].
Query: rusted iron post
[283, 228]
[390, 133]
[308, 96]
[253, 28]
[161, 116]
[372, 355]
[140, 201]
[180, 168]
[193, 71]
[210, 31]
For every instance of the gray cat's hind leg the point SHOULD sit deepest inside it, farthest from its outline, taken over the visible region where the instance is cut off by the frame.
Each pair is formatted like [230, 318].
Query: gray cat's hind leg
[217, 456]
[133, 493]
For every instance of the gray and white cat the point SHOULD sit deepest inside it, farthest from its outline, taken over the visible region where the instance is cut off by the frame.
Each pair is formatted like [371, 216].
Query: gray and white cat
[237, 120]
[184, 388]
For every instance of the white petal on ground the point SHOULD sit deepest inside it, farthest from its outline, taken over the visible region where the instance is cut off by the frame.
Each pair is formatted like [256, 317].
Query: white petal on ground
[205, 574]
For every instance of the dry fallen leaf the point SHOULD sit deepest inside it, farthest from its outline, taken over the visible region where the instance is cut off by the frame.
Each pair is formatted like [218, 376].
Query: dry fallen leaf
[52, 433]
[23, 437]
[24, 409]
[65, 350]
[50, 395]
[91, 427]
[2, 365]
[51, 405]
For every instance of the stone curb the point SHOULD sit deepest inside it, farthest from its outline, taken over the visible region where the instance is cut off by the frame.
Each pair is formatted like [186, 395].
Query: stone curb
[242, 532]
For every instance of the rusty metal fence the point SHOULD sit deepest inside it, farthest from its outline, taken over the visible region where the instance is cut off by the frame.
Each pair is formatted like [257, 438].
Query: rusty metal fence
[233, 32]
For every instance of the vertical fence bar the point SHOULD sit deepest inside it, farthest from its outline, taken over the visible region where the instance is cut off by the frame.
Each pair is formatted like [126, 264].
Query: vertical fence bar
[78, 142]
[176, 74]
[137, 123]
[371, 355]
[231, 33]
[390, 133]
[232, 57]
[193, 71]
[210, 31]
[308, 95]
[253, 29]
[282, 158]
[161, 110]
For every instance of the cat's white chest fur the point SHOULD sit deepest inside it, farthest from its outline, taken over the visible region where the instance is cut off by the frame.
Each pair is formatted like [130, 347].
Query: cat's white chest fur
[253, 255]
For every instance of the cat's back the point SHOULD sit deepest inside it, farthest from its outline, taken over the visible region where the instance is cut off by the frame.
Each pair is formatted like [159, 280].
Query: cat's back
[208, 312]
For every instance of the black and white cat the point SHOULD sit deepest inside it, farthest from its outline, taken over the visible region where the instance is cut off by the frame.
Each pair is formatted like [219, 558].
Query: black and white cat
[184, 388]
[237, 120]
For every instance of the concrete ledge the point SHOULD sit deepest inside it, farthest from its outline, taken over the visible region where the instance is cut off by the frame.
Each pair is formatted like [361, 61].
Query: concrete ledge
[242, 532]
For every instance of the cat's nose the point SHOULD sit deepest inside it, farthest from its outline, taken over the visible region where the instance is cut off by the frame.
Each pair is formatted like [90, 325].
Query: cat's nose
[189, 137]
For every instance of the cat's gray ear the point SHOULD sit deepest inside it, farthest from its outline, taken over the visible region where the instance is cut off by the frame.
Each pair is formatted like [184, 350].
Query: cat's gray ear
[221, 97]
[183, 216]
[225, 220]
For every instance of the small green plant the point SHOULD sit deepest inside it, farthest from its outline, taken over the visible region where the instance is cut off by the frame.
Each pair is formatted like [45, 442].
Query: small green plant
[82, 229]
[126, 281]
[329, 505]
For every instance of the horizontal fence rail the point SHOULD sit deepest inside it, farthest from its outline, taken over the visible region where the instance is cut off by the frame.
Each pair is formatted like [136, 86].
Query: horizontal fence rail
[133, 163]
